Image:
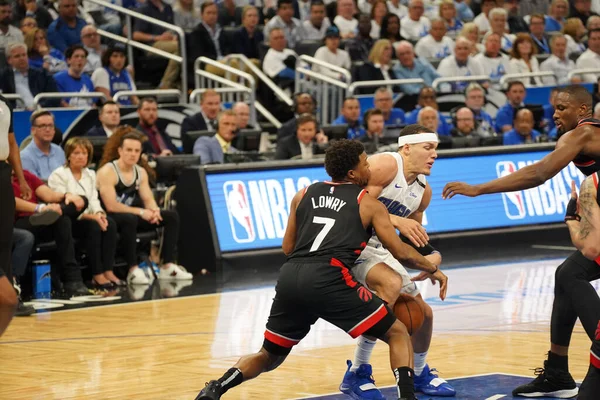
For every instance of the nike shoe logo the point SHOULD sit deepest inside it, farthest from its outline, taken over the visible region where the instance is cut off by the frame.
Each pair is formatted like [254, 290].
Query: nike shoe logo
[397, 186]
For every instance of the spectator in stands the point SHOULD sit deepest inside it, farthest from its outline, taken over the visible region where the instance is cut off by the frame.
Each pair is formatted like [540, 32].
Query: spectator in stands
[27, 24]
[447, 12]
[41, 55]
[482, 20]
[378, 11]
[305, 144]
[375, 130]
[582, 9]
[113, 77]
[350, 115]
[427, 98]
[475, 100]
[516, 23]
[332, 54]
[302, 10]
[280, 62]
[436, 45]
[212, 149]
[91, 41]
[186, 14]
[574, 31]
[537, 28]
[593, 23]
[93, 227]
[125, 192]
[523, 132]
[304, 103]
[158, 143]
[25, 81]
[110, 118]
[378, 67]
[285, 21]
[315, 27]
[8, 32]
[591, 57]
[74, 80]
[464, 123]
[465, 13]
[397, 8]
[159, 37]
[493, 62]
[206, 119]
[414, 26]
[460, 64]
[360, 46]
[41, 156]
[105, 18]
[65, 31]
[242, 115]
[247, 39]
[207, 40]
[471, 32]
[30, 9]
[558, 62]
[345, 20]
[523, 59]
[384, 101]
[411, 67]
[498, 17]
[515, 94]
[365, 6]
[390, 29]
[557, 15]
[47, 214]
[429, 117]
[228, 13]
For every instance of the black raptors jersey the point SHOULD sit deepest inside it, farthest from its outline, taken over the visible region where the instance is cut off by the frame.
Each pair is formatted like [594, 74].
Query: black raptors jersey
[329, 225]
[586, 164]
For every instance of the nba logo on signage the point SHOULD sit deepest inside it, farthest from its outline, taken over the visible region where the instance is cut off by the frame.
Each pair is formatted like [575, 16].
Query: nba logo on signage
[240, 215]
[514, 203]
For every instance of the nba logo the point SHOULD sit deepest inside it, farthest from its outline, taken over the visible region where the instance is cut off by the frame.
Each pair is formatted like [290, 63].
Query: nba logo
[514, 204]
[238, 208]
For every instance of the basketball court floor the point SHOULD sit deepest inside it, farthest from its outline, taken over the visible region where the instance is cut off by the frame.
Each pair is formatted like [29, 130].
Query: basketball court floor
[489, 334]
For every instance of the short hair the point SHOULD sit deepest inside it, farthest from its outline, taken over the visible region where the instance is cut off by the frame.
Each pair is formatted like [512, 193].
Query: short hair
[72, 49]
[384, 89]
[474, 86]
[578, 93]
[426, 108]
[304, 118]
[280, 3]
[15, 45]
[590, 20]
[207, 4]
[371, 113]
[245, 10]
[538, 16]
[147, 99]
[75, 142]
[226, 113]
[107, 103]
[514, 83]
[342, 156]
[555, 37]
[351, 98]
[487, 35]
[4, 3]
[498, 11]
[593, 31]
[209, 93]
[414, 129]
[521, 111]
[317, 3]
[39, 113]
[133, 135]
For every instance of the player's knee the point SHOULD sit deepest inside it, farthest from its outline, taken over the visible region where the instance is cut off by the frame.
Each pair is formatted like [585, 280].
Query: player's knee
[427, 311]
[398, 329]
[566, 274]
[388, 288]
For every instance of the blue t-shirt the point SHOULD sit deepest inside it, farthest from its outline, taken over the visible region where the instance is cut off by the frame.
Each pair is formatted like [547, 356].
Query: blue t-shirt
[514, 137]
[66, 83]
[504, 116]
[397, 117]
[61, 36]
[39, 163]
[355, 132]
[443, 125]
[552, 25]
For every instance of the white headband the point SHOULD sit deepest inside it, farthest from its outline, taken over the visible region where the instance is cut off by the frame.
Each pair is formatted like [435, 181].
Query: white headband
[418, 138]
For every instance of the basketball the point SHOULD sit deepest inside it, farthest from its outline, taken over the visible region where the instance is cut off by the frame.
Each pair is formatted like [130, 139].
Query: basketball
[409, 312]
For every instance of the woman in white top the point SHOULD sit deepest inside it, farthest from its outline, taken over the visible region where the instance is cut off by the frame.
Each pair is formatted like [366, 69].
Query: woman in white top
[523, 59]
[448, 15]
[378, 11]
[93, 226]
[332, 54]
[470, 31]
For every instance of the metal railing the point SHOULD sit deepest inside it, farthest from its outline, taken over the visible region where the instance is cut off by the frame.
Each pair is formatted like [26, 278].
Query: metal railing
[391, 82]
[582, 71]
[514, 77]
[62, 95]
[196, 93]
[130, 42]
[455, 79]
[141, 93]
[14, 96]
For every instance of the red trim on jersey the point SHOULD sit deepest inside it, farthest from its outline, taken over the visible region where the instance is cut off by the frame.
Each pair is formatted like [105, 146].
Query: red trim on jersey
[595, 179]
[350, 282]
[368, 322]
[587, 123]
[280, 340]
[361, 195]
[594, 360]
[337, 183]
[586, 164]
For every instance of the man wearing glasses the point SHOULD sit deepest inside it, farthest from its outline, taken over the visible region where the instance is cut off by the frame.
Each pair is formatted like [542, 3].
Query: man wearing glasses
[91, 41]
[65, 31]
[41, 156]
[385, 102]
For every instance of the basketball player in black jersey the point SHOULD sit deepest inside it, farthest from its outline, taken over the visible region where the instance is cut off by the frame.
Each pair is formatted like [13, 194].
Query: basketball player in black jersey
[329, 224]
[574, 296]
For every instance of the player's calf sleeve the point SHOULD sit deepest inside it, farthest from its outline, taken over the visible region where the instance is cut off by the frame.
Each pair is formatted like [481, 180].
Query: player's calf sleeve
[231, 378]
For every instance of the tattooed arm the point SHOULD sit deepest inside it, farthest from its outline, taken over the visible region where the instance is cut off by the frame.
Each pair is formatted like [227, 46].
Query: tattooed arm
[585, 234]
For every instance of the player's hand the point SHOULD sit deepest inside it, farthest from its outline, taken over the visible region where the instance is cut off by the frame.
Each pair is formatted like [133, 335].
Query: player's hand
[25, 190]
[438, 276]
[572, 212]
[453, 188]
[411, 229]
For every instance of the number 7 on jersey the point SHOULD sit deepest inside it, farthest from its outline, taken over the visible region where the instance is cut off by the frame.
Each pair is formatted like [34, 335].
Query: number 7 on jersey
[328, 224]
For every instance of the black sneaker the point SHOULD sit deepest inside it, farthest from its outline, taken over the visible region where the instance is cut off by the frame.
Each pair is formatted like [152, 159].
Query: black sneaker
[76, 288]
[550, 382]
[23, 310]
[212, 391]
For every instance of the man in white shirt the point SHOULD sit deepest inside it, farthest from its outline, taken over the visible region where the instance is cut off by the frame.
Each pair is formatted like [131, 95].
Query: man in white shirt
[345, 20]
[460, 64]
[591, 57]
[558, 62]
[274, 63]
[8, 33]
[498, 18]
[332, 54]
[315, 27]
[91, 41]
[493, 63]
[414, 26]
[436, 44]
[396, 7]
[285, 21]
[482, 20]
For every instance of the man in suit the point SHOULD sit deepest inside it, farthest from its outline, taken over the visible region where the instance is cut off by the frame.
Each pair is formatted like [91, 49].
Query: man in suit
[205, 120]
[158, 143]
[27, 82]
[304, 103]
[305, 143]
[212, 149]
[109, 115]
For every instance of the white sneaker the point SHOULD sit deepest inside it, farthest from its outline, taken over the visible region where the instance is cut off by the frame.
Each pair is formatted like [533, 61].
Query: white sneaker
[174, 272]
[172, 288]
[137, 277]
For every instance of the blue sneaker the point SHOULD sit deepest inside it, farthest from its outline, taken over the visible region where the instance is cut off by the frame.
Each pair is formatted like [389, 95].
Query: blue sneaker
[431, 384]
[360, 384]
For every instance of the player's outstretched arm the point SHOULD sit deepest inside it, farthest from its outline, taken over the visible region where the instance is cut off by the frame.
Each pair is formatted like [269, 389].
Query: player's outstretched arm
[568, 147]
[289, 238]
[583, 219]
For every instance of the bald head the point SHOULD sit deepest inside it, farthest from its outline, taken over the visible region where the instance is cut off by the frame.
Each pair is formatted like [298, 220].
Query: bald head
[242, 113]
[465, 121]
[524, 122]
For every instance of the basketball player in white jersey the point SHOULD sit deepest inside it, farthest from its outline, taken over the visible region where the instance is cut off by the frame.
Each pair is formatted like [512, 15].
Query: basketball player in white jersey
[398, 181]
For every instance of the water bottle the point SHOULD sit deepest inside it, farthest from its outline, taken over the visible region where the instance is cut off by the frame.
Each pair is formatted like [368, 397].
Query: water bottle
[42, 279]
